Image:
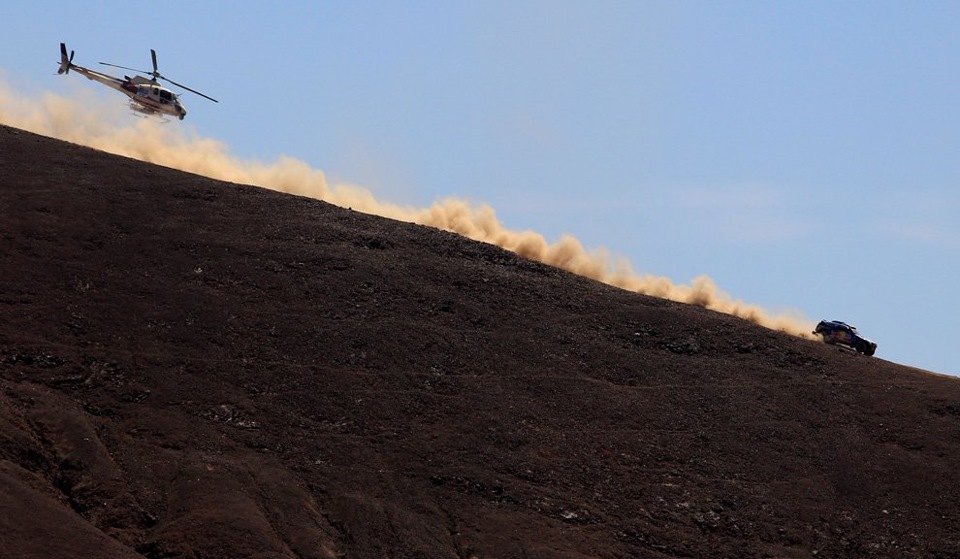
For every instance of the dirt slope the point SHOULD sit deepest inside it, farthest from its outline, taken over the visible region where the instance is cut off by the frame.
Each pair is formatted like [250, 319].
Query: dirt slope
[197, 369]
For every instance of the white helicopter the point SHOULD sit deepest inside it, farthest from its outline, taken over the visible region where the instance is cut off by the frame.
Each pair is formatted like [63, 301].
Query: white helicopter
[146, 95]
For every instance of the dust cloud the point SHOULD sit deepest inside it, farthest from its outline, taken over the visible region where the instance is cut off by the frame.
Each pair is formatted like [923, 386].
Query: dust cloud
[88, 121]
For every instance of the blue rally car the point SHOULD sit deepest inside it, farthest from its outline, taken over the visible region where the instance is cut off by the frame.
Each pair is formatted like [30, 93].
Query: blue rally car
[836, 332]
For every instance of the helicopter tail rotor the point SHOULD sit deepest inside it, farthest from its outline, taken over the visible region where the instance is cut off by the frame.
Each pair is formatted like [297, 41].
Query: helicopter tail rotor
[65, 62]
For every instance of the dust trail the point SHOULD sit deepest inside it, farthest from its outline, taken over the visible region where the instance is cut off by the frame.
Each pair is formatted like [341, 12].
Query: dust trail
[103, 127]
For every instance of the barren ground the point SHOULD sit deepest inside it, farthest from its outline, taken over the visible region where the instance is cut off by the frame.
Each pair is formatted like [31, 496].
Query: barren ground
[196, 369]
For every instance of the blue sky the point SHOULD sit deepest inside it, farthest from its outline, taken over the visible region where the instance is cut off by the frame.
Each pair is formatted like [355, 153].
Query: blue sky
[804, 155]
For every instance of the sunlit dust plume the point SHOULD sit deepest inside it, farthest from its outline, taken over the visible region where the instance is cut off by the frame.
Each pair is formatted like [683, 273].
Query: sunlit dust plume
[92, 124]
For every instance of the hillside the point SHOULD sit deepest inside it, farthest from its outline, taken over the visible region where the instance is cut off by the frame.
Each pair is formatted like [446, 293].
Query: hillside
[197, 369]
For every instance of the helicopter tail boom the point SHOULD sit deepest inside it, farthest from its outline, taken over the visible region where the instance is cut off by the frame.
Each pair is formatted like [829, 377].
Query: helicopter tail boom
[65, 62]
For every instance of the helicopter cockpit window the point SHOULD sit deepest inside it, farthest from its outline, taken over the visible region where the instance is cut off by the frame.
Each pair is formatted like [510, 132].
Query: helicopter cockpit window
[165, 95]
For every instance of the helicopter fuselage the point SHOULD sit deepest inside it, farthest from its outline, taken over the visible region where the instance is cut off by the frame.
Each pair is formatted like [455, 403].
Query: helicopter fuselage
[146, 96]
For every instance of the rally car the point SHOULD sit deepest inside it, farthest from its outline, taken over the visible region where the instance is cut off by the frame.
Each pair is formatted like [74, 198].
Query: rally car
[836, 332]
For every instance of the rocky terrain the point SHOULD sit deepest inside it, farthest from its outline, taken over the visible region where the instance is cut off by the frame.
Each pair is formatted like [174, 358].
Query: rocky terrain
[196, 369]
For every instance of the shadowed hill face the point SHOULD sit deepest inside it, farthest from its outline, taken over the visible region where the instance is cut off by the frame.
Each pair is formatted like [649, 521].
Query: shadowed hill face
[151, 141]
[192, 368]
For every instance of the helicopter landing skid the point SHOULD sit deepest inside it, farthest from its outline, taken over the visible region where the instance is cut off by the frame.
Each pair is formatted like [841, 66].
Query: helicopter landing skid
[140, 111]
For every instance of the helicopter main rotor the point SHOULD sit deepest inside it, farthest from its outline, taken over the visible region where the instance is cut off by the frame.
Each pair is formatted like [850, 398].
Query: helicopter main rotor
[157, 75]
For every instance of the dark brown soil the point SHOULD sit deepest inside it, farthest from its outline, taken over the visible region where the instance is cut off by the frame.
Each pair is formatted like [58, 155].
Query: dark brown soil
[197, 369]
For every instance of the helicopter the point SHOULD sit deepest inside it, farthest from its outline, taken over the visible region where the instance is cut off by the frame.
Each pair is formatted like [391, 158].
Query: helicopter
[147, 96]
